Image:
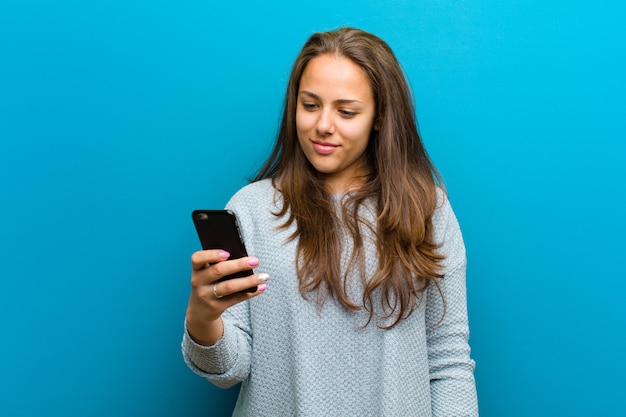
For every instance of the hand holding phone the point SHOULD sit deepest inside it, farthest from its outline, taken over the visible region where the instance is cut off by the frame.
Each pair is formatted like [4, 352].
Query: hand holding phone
[218, 229]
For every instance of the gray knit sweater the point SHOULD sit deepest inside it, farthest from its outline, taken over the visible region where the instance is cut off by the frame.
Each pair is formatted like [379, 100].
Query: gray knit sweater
[296, 359]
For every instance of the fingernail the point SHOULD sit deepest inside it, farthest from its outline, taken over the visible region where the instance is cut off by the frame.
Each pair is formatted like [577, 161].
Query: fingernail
[261, 287]
[263, 277]
[224, 255]
[253, 262]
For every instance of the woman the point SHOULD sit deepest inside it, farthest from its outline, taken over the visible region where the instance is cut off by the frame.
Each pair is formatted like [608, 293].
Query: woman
[365, 313]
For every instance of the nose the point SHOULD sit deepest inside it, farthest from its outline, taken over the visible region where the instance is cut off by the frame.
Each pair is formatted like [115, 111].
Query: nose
[325, 124]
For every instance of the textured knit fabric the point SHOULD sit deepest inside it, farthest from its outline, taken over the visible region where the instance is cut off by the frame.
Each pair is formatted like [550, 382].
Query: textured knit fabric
[297, 359]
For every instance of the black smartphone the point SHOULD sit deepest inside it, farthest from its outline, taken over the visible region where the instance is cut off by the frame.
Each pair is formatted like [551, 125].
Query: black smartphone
[218, 229]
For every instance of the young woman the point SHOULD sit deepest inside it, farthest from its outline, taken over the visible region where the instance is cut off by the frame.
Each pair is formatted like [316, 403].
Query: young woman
[365, 313]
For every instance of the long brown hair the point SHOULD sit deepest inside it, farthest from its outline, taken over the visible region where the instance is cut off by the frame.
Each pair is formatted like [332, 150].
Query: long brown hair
[401, 182]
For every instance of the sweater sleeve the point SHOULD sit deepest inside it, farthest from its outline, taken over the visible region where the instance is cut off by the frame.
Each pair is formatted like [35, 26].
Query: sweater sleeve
[227, 362]
[453, 389]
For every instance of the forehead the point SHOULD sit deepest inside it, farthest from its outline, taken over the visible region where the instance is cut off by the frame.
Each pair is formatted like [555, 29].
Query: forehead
[335, 75]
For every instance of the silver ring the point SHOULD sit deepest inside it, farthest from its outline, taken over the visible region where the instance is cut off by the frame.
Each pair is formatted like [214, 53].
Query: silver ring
[215, 292]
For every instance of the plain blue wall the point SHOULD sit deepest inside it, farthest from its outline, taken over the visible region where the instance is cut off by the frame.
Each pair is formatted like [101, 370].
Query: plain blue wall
[117, 118]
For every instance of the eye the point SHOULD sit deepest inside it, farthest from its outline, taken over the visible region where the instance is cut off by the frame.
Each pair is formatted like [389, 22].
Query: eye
[347, 114]
[309, 106]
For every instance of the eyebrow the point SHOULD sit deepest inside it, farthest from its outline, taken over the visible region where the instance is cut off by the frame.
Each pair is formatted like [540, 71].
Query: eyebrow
[338, 101]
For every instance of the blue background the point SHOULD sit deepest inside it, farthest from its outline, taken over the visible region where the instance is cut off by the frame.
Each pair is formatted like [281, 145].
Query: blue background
[117, 118]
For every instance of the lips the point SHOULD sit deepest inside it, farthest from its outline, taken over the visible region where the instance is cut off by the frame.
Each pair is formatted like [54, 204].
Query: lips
[324, 148]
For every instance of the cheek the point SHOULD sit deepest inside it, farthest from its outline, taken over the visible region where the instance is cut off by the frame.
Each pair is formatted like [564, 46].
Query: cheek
[303, 123]
[359, 134]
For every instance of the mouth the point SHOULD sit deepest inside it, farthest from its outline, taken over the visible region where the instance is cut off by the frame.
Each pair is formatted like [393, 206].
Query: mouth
[323, 147]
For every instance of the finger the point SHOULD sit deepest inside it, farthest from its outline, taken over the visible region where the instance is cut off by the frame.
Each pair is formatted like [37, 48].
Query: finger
[228, 301]
[222, 269]
[204, 273]
[238, 286]
[203, 258]
[243, 296]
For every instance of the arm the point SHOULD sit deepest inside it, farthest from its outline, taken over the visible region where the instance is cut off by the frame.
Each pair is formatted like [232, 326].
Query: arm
[453, 389]
[217, 343]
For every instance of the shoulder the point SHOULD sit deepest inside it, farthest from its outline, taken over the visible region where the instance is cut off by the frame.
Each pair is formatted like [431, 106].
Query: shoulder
[443, 211]
[255, 205]
[259, 193]
[447, 231]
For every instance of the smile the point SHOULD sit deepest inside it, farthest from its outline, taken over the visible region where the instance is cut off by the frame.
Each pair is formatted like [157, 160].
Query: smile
[324, 148]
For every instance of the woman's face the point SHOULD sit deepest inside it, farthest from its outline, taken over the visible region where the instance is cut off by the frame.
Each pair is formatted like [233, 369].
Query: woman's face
[334, 118]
